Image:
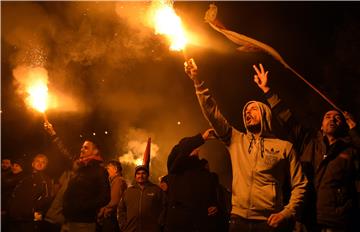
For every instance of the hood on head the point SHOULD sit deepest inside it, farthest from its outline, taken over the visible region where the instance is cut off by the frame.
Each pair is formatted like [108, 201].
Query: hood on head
[265, 113]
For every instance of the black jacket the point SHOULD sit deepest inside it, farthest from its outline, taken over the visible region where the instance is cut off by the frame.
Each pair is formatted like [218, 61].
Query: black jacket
[88, 190]
[192, 189]
[330, 170]
[32, 193]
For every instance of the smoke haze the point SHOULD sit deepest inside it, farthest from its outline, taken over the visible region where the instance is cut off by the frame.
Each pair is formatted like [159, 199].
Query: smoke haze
[110, 72]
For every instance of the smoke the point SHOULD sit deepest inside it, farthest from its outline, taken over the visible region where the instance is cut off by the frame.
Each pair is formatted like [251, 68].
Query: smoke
[135, 145]
[108, 69]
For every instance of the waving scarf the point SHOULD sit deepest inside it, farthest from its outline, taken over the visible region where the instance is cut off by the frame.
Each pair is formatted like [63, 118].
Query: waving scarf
[248, 44]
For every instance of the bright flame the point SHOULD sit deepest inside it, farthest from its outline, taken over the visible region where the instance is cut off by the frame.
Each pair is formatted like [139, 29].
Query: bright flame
[37, 96]
[167, 23]
[33, 82]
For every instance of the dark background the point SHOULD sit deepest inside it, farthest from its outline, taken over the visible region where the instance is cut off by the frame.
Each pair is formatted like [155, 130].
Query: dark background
[124, 80]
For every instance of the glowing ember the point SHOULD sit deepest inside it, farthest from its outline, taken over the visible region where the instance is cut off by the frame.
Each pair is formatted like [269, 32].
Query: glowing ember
[167, 23]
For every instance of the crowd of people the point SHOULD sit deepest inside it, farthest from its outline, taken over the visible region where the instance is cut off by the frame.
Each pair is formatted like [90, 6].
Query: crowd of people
[306, 183]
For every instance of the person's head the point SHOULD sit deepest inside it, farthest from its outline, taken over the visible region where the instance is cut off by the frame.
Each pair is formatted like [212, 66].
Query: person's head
[164, 182]
[114, 168]
[141, 174]
[333, 123]
[5, 164]
[257, 117]
[39, 162]
[17, 166]
[89, 149]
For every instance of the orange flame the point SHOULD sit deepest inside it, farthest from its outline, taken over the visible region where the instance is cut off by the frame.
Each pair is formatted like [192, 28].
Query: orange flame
[33, 81]
[168, 23]
[38, 93]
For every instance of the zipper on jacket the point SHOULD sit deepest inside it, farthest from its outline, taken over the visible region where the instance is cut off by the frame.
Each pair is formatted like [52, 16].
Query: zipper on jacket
[140, 206]
[252, 177]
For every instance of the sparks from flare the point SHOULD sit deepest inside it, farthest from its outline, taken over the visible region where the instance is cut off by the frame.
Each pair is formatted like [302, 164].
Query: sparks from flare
[168, 23]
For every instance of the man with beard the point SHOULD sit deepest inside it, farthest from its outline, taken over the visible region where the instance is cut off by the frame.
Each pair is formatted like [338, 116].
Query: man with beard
[328, 161]
[88, 189]
[142, 205]
[262, 165]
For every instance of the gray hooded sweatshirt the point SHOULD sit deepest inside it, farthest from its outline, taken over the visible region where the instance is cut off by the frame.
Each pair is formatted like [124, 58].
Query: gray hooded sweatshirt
[261, 167]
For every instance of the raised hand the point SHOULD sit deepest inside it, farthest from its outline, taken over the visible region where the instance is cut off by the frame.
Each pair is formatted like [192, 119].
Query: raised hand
[209, 134]
[49, 128]
[190, 68]
[261, 78]
[349, 119]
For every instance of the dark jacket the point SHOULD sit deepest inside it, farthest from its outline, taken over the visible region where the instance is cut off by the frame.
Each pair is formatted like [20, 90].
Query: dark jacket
[329, 168]
[8, 185]
[31, 194]
[141, 209]
[192, 189]
[88, 190]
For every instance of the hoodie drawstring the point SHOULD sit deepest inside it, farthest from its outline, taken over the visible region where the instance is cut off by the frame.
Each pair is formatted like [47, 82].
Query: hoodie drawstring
[251, 143]
[261, 145]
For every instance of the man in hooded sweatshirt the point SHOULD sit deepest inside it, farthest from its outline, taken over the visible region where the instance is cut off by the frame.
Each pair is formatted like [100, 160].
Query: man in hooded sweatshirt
[328, 159]
[262, 165]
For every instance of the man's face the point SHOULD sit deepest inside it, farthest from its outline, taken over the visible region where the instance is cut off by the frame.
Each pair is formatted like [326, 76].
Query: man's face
[141, 177]
[16, 168]
[252, 115]
[5, 164]
[164, 186]
[39, 163]
[111, 169]
[88, 149]
[331, 122]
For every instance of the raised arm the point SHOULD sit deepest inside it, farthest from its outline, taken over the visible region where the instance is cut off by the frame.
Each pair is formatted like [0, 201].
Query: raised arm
[208, 104]
[296, 131]
[184, 149]
[58, 142]
[353, 129]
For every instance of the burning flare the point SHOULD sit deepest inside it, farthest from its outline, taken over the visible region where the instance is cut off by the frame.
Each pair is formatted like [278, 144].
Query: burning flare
[38, 93]
[33, 83]
[168, 23]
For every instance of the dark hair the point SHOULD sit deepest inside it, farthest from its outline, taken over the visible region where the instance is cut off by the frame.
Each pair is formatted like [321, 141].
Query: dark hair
[116, 164]
[164, 179]
[141, 167]
[344, 128]
[95, 141]
[20, 162]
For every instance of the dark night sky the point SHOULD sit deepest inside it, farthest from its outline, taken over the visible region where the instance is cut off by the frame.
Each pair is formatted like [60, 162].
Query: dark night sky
[124, 79]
